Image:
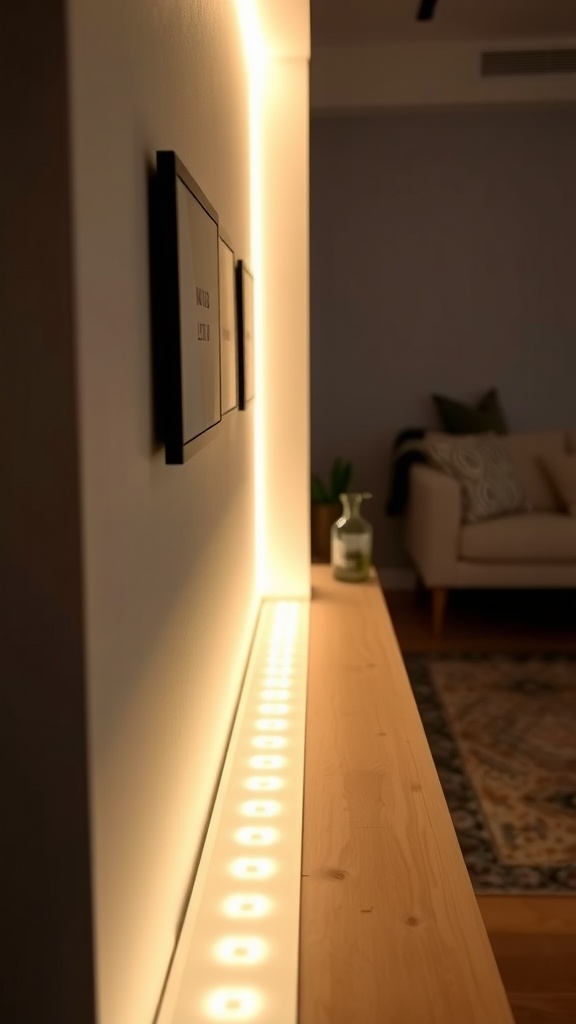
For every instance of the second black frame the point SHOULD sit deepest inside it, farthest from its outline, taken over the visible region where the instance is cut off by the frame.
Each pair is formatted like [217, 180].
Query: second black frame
[245, 324]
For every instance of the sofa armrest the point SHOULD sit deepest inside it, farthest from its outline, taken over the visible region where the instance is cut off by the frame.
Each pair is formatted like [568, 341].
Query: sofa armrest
[432, 525]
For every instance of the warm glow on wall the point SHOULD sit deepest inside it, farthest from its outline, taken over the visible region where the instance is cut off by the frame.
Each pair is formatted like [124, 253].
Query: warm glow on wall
[276, 43]
[242, 957]
[246, 893]
[255, 53]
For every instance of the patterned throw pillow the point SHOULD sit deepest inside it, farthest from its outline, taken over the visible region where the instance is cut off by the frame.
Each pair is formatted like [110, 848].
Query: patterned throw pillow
[487, 477]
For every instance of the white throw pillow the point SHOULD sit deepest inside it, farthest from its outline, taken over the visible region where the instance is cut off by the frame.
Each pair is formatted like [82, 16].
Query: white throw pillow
[488, 480]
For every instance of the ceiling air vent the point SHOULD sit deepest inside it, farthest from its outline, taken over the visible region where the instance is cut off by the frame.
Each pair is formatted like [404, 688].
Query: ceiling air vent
[498, 63]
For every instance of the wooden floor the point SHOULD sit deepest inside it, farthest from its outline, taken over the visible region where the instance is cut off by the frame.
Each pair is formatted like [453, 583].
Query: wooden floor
[533, 937]
[487, 620]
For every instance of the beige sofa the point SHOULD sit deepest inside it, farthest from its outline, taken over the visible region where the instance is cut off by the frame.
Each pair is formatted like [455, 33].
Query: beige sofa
[531, 549]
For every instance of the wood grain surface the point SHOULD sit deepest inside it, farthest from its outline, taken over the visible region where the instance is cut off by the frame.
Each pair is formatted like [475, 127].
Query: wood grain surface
[390, 928]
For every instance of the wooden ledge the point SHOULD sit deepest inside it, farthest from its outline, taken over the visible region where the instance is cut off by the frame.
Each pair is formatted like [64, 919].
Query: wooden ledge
[390, 928]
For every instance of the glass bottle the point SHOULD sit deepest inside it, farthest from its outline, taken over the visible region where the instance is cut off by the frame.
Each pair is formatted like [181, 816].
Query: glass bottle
[351, 540]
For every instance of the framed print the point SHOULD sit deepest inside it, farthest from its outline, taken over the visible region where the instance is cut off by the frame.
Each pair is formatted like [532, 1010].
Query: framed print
[245, 302]
[228, 342]
[188, 308]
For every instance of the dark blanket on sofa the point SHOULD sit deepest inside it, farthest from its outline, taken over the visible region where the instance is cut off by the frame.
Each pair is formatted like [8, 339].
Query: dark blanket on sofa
[406, 450]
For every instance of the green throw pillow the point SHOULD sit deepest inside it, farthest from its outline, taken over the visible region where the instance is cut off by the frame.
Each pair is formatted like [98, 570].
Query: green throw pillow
[460, 418]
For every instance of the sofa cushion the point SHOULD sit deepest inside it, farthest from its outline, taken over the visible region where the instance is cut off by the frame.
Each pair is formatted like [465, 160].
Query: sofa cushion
[488, 481]
[538, 537]
[526, 451]
[571, 439]
[561, 471]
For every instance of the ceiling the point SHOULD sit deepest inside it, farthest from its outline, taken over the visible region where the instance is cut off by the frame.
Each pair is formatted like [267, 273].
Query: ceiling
[357, 22]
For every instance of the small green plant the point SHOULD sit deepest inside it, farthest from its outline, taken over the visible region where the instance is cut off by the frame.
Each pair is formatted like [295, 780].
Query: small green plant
[339, 482]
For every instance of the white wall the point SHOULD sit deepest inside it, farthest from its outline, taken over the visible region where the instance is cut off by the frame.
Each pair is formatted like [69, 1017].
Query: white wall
[169, 551]
[442, 259]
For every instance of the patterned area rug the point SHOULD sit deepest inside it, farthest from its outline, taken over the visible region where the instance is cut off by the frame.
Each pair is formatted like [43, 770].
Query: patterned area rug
[502, 731]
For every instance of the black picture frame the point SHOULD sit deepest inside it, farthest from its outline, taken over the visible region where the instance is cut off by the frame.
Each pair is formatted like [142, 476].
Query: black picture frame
[228, 326]
[245, 306]
[186, 308]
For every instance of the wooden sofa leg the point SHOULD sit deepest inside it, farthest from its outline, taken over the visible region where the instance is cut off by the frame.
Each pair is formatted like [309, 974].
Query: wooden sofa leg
[439, 598]
[421, 590]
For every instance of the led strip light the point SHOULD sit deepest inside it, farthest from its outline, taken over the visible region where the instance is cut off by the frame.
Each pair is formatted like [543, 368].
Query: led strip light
[242, 925]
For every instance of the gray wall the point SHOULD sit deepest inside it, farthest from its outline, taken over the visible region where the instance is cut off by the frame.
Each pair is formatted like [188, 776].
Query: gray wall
[443, 258]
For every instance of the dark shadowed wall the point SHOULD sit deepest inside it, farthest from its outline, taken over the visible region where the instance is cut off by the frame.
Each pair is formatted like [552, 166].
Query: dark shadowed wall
[46, 913]
[443, 258]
